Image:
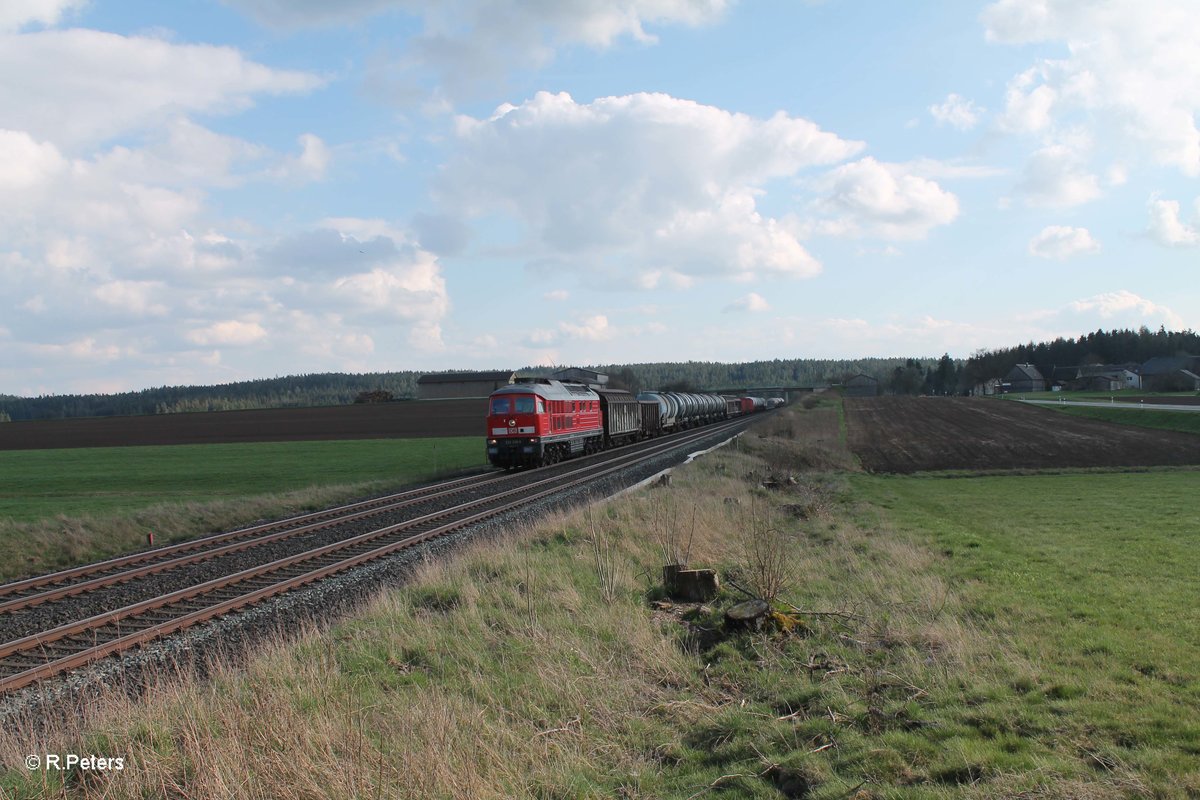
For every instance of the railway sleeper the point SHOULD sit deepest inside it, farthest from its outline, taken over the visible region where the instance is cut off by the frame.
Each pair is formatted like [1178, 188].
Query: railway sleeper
[19, 662]
[65, 647]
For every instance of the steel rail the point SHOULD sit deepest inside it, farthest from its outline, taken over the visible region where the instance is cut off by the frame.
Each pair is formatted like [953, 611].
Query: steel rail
[39, 643]
[240, 543]
[333, 514]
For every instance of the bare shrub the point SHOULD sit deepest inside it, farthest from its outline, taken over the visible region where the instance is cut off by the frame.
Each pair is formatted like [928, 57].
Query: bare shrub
[668, 536]
[605, 561]
[765, 555]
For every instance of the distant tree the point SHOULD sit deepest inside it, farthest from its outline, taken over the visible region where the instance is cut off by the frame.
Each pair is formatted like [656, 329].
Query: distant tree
[374, 396]
[626, 379]
[907, 379]
[945, 376]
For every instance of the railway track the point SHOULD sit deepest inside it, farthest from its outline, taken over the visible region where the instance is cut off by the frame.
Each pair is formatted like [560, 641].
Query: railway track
[66, 583]
[44, 653]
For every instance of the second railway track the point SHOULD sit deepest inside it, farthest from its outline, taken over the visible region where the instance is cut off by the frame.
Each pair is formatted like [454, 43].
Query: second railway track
[56, 648]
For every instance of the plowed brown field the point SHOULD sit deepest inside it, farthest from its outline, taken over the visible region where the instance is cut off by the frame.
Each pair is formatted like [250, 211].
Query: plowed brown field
[914, 434]
[414, 419]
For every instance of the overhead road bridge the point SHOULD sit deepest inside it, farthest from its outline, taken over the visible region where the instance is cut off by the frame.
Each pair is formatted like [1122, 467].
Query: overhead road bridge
[776, 391]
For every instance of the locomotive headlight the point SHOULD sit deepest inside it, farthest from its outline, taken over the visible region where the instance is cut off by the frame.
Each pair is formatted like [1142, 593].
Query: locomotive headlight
[491, 441]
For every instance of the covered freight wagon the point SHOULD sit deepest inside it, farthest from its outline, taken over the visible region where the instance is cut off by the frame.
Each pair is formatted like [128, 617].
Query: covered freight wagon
[622, 416]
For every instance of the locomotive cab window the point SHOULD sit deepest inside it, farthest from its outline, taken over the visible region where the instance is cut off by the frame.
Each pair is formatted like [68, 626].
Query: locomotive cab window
[500, 405]
[541, 406]
[524, 405]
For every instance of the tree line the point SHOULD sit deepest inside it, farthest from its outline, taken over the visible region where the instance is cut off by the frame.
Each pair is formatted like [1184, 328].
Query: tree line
[685, 376]
[335, 388]
[1118, 346]
[944, 375]
[319, 389]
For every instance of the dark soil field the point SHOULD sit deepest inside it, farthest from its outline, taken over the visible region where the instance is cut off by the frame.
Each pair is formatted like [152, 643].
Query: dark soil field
[403, 420]
[915, 434]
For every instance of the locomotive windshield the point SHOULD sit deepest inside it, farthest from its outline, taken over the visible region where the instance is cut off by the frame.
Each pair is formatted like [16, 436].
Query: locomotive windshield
[522, 404]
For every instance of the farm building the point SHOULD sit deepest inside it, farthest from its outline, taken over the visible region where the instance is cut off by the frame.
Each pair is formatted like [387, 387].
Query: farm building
[1098, 377]
[1025, 378]
[987, 388]
[590, 377]
[461, 384]
[862, 386]
[1172, 374]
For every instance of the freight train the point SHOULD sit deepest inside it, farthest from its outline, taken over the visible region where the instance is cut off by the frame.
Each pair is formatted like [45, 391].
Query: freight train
[538, 421]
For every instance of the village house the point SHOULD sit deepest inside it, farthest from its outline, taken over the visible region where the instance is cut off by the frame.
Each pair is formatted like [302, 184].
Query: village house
[1024, 378]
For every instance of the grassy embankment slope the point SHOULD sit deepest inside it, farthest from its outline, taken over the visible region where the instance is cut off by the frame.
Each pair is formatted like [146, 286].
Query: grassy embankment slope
[63, 507]
[981, 637]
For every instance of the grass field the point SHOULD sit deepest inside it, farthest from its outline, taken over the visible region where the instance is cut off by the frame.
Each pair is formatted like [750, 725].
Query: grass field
[59, 507]
[1187, 421]
[1087, 584]
[1124, 395]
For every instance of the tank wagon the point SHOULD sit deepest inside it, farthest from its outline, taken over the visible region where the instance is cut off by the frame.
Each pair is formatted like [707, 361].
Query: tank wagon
[538, 421]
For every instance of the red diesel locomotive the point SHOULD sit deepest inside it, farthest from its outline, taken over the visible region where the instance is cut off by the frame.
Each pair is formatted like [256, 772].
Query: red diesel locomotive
[541, 421]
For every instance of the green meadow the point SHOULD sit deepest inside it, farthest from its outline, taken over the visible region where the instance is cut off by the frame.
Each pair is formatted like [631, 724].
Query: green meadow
[1086, 583]
[59, 507]
[1186, 421]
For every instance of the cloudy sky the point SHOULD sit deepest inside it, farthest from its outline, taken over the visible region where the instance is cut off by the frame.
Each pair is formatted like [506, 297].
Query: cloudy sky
[209, 191]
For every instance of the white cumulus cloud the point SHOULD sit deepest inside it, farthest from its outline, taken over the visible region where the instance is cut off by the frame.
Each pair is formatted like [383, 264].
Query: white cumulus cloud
[15, 14]
[1130, 68]
[75, 86]
[750, 302]
[1061, 242]
[957, 112]
[460, 45]
[1166, 226]
[1124, 309]
[310, 164]
[871, 198]
[1055, 177]
[230, 332]
[645, 183]
[593, 328]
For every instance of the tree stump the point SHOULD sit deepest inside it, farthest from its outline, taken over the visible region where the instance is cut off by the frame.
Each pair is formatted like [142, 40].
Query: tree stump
[696, 585]
[747, 616]
[671, 577]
